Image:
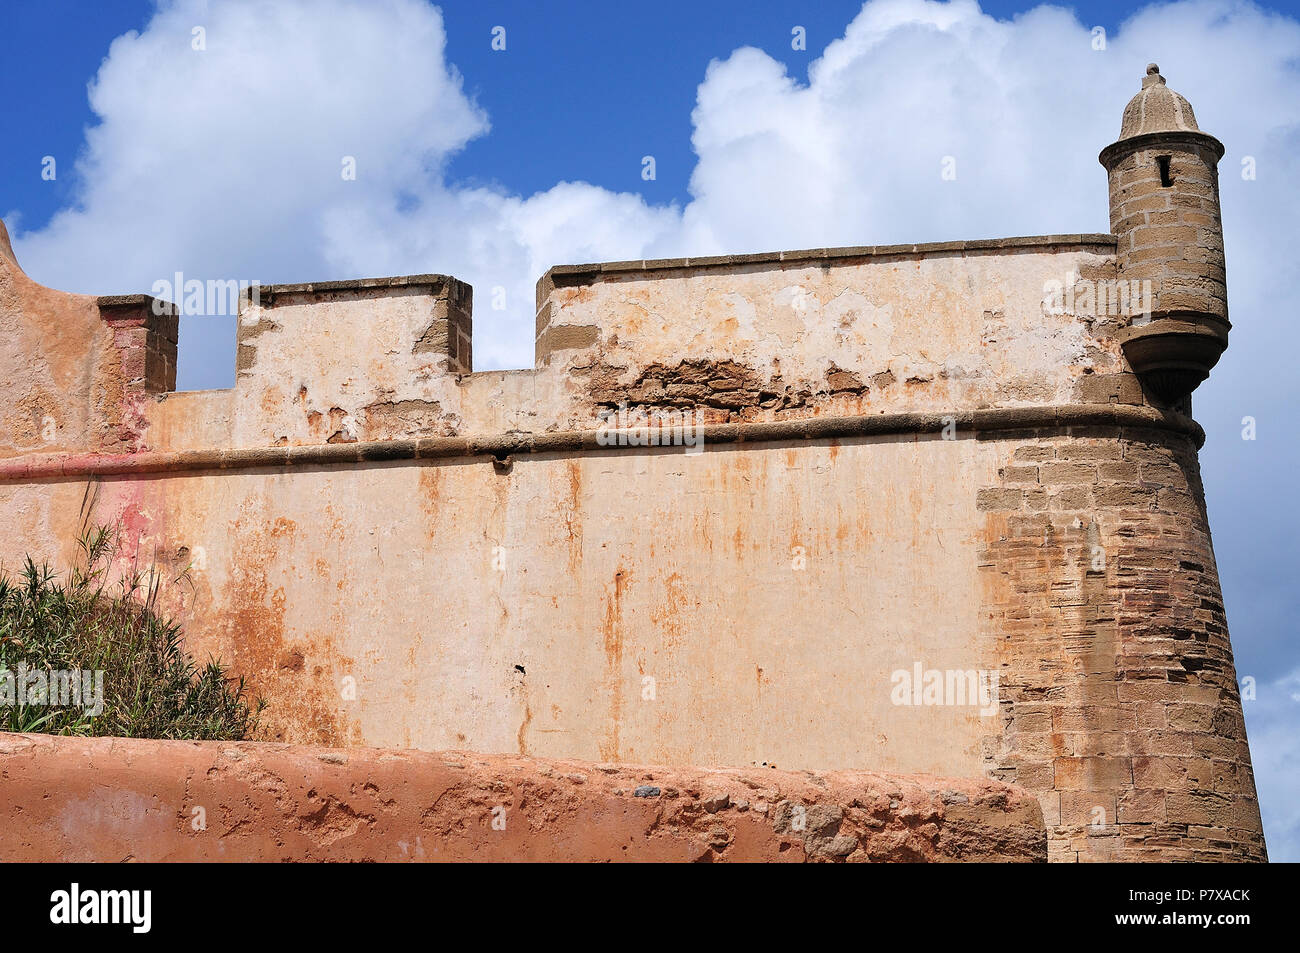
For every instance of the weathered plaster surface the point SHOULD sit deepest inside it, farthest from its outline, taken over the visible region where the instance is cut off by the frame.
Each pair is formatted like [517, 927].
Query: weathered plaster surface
[920, 332]
[614, 569]
[111, 800]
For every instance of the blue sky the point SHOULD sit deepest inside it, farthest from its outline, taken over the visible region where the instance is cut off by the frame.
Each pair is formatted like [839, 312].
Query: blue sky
[492, 165]
[629, 71]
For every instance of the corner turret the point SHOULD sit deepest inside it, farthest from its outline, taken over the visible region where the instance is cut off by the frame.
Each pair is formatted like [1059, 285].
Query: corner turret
[1164, 209]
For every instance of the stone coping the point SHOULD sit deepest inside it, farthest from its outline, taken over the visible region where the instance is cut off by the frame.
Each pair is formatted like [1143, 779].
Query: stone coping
[571, 272]
[574, 274]
[135, 302]
[502, 447]
[433, 282]
[266, 292]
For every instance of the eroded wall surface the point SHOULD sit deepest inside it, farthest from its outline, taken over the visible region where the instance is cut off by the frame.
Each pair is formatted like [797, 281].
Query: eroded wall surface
[113, 800]
[398, 551]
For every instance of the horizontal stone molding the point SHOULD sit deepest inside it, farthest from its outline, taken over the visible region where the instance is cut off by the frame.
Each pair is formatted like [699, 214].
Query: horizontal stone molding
[503, 446]
[1173, 138]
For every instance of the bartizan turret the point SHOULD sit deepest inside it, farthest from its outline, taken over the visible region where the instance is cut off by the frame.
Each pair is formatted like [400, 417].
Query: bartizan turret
[1164, 209]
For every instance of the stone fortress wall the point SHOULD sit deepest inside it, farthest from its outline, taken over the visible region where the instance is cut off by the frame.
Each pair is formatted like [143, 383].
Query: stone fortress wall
[974, 458]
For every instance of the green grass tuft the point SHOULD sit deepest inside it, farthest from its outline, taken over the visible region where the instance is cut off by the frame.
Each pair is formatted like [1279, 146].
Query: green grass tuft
[152, 688]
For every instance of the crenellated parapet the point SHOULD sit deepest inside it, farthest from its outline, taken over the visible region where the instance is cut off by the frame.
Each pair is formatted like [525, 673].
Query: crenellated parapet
[931, 328]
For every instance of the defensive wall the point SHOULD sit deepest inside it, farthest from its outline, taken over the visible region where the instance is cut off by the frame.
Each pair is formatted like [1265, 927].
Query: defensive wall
[917, 510]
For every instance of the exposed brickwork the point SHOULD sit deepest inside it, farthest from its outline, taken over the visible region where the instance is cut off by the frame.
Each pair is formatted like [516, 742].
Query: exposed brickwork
[145, 330]
[727, 391]
[719, 390]
[1121, 707]
[144, 334]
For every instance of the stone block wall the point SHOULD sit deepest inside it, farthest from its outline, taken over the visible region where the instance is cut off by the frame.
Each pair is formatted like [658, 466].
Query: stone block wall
[1121, 705]
[1164, 208]
[145, 330]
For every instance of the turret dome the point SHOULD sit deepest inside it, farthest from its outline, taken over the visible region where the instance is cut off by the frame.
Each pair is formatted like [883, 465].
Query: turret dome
[1157, 108]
